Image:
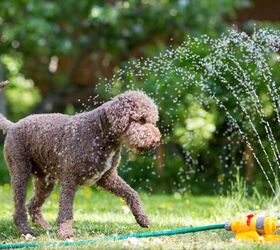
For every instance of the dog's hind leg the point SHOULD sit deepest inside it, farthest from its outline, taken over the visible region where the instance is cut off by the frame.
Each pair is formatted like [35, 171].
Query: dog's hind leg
[20, 170]
[43, 187]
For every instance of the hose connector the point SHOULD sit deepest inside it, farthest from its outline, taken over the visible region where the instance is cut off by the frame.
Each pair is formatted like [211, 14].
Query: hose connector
[228, 226]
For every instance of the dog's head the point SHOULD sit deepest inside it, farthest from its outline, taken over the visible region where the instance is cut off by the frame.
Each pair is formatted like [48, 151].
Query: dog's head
[133, 116]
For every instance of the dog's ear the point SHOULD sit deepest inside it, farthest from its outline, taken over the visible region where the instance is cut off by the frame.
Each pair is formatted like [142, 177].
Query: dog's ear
[118, 113]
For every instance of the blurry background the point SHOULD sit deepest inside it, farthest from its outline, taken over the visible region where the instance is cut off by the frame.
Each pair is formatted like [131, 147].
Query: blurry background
[55, 52]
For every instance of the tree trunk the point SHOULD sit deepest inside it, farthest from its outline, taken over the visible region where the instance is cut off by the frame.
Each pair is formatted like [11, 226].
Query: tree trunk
[249, 168]
[160, 159]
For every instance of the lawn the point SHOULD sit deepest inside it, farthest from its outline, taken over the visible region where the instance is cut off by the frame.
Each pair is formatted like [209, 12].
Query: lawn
[98, 214]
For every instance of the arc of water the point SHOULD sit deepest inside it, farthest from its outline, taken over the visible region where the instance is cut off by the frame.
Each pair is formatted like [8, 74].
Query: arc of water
[204, 87]
[251, 91]
[267, 127]
[258, 107]
[244, 136]
[254, 129]
[167, 61]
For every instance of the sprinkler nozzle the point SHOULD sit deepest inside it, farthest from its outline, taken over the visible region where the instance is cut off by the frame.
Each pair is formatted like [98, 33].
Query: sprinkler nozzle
[257, 228]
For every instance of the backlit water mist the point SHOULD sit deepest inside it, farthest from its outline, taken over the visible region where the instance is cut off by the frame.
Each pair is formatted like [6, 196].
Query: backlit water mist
[189, 85]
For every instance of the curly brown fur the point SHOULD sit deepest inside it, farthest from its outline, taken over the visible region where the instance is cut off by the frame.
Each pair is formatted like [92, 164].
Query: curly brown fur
[77, 150]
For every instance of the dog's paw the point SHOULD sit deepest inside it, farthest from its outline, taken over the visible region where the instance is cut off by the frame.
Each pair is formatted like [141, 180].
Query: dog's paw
[65, 235]
[40, 221]
[29, 235]
[143, 221]
[65, 230]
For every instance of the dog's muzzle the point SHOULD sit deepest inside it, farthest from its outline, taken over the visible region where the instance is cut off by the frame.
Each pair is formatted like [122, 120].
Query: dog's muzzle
[142, 137]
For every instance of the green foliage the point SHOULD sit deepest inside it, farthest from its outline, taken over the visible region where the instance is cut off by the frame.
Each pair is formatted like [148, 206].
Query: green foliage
[22, 95]
[198, 128]
[68, 25]
[33, 34]
[117, 31]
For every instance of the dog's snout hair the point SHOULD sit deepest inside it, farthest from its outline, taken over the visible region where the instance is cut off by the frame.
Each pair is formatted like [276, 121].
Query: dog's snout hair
[142, 136]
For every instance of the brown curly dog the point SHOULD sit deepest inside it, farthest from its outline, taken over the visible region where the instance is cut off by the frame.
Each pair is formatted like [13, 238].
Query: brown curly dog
[77, 150]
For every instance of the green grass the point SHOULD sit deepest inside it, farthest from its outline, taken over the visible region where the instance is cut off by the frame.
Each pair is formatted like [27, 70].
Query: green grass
[98, 214]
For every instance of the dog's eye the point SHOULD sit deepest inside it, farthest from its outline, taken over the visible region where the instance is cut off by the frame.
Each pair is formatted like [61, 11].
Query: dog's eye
[142, 120]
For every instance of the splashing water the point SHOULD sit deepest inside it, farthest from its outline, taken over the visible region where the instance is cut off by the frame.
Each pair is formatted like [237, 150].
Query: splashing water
[201, 70]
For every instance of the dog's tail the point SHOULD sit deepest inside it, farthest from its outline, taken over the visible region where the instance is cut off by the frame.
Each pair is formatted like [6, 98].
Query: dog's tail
[3, 84]
[5, 124]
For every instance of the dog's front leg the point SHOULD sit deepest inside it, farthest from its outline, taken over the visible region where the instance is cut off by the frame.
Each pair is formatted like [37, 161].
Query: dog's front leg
[65, 215]
[112, 182]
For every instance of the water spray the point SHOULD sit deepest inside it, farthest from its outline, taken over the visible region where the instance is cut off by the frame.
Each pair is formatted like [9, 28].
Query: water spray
[260, 229]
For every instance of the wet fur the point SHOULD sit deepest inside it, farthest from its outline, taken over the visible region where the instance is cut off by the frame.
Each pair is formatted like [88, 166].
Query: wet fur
[76, 150]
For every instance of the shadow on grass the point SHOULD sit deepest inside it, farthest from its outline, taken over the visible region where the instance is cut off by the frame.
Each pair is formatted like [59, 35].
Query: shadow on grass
[83, 230]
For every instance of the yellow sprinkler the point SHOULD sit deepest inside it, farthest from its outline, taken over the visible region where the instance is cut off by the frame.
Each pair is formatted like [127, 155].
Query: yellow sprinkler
[255, 228]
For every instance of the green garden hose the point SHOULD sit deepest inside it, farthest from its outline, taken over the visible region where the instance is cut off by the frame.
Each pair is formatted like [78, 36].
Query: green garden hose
[117, 237]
